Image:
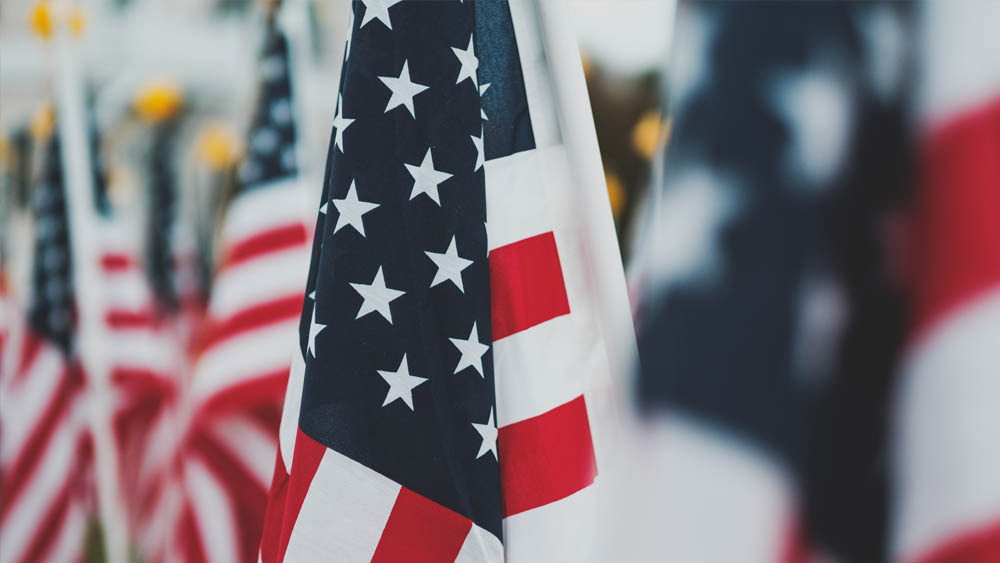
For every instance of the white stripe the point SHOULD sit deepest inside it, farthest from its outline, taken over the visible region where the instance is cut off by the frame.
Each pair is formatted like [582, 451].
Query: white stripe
[290, 413]
[47, 480]
[69, 540]
[259, 280]
[215, 517]
[247, 442]
[239, 359]
[962, 65]
[727, 501]
[535, 72]
[143, 348]
[127, 290]
[545, 366]
[161, 522]
[517, 196]
[26, 401]
[480, 547]
[947, 460]
[159, 445]
[343, 514]
[265, 207]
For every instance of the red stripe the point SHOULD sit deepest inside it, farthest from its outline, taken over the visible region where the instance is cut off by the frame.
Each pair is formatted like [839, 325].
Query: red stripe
[114, 262]
[305, 461]
[47, 534]
[188, 537]
[795, 546]
[420, 530]
[252, 391]
[976, 546]
[142, 380]
[265, 242]
[276, 499]
[955, 238]
[260, 315]
[247, 497]
[35, 445]
[30, 346]
[546, 457]
[526, 285]
[123, 320]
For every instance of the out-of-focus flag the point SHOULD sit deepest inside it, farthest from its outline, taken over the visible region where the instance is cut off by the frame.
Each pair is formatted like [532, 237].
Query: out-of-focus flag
[451, 398]
[45, 450]
[946, 461]
[771, 315]
[236, 392]
[146, 356]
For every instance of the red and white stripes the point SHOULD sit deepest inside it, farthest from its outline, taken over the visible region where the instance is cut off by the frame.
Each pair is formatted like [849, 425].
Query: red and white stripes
[240, 374]
[947, 431]
[45, 448]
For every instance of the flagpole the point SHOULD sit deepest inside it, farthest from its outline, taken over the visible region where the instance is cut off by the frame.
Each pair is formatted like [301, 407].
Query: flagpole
[76, 160]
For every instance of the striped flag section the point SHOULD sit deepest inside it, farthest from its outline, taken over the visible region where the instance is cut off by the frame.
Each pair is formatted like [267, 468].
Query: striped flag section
[44, 448]
[947, 493]
[232, 402]
[147, 357]
[240, 375]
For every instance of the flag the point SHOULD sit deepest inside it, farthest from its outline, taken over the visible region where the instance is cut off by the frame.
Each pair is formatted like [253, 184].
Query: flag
[771, 313]
[452, 396]
[946, 502]
[147, 357]
[45, 451]
[241, 368]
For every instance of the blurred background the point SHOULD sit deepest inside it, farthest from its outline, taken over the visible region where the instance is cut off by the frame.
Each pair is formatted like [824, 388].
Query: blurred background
[807, 198]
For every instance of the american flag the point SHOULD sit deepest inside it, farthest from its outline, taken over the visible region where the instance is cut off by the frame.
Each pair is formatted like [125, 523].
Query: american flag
[244, 353]
[453, 368]
[45, 450]
[773, 313]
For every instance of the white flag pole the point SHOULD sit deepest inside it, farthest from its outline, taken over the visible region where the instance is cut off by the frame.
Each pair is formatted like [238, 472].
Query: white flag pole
[83, 227]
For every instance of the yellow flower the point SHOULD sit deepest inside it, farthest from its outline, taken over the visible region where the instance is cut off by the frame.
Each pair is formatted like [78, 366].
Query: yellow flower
[40, 19]
[158, 101]
[649, 134]
[43, 122]
[217, 147]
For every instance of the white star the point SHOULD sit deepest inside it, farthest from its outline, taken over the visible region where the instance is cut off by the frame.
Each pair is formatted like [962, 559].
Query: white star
[401, 384]
[376, 296]
[482, 90]
[341, 123]
[378, 9]
[322, 208]
[426, 178]
[470, 63]
[351, 210]
[450, 266]
[818, 110]
[488, 432]
[403, 89]
[478, 143]
[696, 205]
[314, 329]
[472, 351]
